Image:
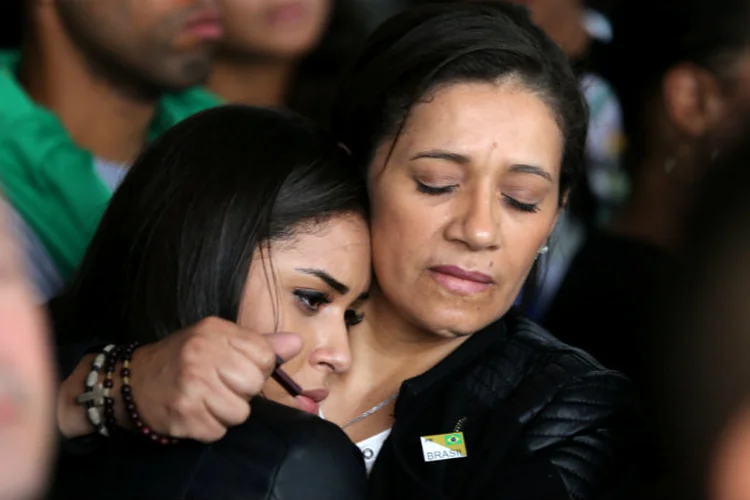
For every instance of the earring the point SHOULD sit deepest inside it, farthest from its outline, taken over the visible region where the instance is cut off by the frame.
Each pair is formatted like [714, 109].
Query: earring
[544, 250]
[669, 165]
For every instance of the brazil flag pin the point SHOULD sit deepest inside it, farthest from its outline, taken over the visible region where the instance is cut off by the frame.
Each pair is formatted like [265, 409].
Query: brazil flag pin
[443, 447]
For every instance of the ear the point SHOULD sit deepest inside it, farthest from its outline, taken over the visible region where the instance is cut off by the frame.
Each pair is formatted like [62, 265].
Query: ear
[692, 99]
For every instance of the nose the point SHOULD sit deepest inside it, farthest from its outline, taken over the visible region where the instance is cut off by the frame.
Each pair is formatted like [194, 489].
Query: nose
[332, 352]
[476, 220]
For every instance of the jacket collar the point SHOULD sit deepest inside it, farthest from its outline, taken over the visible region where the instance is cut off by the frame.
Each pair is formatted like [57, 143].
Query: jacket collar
[464, 355]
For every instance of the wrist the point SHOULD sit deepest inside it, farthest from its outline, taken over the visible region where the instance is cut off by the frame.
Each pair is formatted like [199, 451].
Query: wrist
[71, 417]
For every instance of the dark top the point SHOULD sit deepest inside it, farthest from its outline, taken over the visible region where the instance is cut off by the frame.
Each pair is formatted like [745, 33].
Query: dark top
[609, 300]
[541, 421]
[278, 454]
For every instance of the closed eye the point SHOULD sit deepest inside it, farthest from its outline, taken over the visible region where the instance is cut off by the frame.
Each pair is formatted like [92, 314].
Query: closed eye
[352, 317]
[523, 207]
[434, 190]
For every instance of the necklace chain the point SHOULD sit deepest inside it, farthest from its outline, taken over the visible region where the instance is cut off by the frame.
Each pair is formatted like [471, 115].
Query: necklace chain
[372, 410]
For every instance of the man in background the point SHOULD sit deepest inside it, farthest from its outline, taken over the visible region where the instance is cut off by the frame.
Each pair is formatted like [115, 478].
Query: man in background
[93, 82]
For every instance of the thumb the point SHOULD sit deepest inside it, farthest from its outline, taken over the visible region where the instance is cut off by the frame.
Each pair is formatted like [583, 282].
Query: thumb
[286, 345]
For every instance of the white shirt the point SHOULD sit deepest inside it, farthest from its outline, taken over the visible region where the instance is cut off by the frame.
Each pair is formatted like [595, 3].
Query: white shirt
[369, 447]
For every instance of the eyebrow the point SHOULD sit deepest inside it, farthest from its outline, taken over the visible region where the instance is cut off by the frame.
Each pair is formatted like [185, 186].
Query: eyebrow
[325, 278]
[439, 154]
[459, 159]
[532, 169]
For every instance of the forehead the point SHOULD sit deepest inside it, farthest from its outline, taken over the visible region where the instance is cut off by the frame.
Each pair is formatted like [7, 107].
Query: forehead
[478, 118]
[340, 245]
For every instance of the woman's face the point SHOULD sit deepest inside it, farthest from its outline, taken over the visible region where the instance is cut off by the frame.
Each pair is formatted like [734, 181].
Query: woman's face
[463, 206]
[313, 285]
[274, 29]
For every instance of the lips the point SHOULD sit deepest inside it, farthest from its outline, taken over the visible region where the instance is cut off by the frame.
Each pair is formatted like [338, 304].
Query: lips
[461, 281]
[206, 24]
[309, 401]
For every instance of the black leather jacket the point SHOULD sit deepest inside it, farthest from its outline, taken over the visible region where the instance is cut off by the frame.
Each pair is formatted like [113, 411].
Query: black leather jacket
[541, 421]
[279, 453]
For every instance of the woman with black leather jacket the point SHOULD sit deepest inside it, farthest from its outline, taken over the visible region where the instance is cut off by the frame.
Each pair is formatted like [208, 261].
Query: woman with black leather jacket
[471, 126]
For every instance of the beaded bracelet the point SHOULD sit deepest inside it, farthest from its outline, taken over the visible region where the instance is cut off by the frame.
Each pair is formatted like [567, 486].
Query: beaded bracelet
[109, 401]
[95, 394]
[127, 396]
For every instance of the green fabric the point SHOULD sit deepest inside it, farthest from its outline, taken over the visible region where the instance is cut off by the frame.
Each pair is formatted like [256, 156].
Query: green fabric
[49, 180]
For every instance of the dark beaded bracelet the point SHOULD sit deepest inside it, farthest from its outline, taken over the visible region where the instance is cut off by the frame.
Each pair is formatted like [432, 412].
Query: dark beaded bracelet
[109, 401]
[127, 397]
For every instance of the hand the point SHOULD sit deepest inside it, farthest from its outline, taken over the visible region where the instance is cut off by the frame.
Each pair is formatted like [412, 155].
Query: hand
[198, 382]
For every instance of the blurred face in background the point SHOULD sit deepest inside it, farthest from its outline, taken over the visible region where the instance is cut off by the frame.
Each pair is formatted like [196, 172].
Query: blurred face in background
[153, 45]
[547, 14]
[26, 381]
[274, 29]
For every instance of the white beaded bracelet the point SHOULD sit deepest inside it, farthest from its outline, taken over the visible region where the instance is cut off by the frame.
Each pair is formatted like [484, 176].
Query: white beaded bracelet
[93, 396]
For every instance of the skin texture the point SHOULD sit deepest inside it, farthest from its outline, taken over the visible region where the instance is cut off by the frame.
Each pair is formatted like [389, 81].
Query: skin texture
[26, 380]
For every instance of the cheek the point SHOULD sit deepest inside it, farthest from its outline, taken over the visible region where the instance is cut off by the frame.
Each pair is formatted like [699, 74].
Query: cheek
[523, 240]
[393, 232]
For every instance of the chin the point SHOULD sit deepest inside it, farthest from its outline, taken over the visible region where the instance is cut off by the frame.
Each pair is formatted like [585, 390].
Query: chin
[186, 71]
[455, 323]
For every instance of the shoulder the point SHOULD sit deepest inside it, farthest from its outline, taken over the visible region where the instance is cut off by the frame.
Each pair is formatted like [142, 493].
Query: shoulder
[581, 418]
[289, 452]
[322, 454]
[534, 351]
[545, 381]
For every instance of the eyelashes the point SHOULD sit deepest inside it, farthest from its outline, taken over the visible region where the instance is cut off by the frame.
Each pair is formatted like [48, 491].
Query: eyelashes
[441, 190]
[434, 190]
[312, 301]
[523, 207]
[353, 318]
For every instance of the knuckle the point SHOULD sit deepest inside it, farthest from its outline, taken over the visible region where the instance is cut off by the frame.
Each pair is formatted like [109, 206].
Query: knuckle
[180, 408]
[208, 323]
[241, 413]
[266, 359]
[189, 379]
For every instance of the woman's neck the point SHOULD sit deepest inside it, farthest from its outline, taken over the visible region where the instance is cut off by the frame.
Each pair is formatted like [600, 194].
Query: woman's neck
[388, 349]
[252, 82]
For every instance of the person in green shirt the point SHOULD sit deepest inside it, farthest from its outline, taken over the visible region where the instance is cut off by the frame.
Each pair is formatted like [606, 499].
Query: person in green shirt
[93, 82]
